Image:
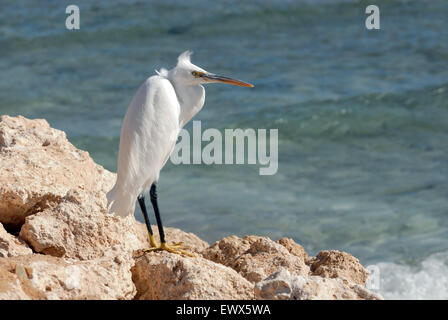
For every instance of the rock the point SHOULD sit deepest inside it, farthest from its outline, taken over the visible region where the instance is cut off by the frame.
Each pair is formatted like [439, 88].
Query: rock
[281, 285]
[336, 264]
[14, 288]
[293, 248]
[191, 242]
[79, 227]
[227, 250]
[45, 277]
[161, 276]
[38, 167]
[11, 246]
[69, 247]
[255, 257]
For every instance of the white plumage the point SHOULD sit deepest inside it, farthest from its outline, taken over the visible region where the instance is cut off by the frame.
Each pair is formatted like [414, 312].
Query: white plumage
[163, 104]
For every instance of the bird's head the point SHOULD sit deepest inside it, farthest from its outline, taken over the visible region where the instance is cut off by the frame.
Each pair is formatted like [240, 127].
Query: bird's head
[190, 74]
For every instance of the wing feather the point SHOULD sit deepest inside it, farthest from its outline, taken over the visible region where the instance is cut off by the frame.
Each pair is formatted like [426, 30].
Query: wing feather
[149, 132]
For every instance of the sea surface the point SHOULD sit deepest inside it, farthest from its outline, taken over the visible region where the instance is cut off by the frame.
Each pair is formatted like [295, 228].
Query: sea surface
[362, 115]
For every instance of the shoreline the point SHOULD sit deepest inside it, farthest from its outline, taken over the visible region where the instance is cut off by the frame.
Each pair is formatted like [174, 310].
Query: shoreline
[69, 247]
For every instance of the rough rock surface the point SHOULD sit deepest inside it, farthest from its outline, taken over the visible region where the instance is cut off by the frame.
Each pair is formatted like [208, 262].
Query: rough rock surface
[255, 257]
[293, 248]
[281, 285]
[13, 287]
[11, 246]
[163, 275]
[80, 227]
[336, 264]
[47, 277]
[38, 166]
[54, 194]
[191, 242]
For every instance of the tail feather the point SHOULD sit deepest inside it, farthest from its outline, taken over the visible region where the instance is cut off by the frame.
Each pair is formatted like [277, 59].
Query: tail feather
[120, 203]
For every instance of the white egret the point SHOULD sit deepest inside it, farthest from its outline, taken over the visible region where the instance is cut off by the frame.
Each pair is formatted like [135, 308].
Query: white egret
[163, 104]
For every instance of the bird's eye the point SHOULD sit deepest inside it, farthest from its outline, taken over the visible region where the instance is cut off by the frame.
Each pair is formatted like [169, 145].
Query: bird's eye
[196, 74]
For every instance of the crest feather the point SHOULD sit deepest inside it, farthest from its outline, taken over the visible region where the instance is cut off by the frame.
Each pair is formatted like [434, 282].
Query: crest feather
[184, 57]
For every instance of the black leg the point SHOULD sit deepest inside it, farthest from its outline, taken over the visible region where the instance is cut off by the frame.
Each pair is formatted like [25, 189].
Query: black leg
[141, 202]
[153, 194]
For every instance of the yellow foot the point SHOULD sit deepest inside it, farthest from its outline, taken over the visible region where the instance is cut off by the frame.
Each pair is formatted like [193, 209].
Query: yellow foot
[173, 248]
[152, 241]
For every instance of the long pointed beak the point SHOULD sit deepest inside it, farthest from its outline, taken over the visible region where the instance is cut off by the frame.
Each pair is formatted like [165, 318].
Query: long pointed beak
[214, 78]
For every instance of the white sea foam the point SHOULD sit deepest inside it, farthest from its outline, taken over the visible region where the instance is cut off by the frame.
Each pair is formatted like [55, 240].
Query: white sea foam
[428, 280]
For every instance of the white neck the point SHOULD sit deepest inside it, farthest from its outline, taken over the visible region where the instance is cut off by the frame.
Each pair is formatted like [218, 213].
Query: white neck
[191, 99]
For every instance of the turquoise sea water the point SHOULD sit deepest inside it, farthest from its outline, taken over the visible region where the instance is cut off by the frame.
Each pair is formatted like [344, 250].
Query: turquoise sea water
[362, 115]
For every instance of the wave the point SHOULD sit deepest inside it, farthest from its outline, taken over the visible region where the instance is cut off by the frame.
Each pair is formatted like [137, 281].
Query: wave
[428, 280]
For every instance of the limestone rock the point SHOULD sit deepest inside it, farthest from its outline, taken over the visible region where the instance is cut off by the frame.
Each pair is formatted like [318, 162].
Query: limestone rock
[227, 250]
[191, 242]
[293, 248]
[13, 287]
[56, 196]
[281, 285]
[336, 264]
[255, 257]
[11, 246]
[161, 275]
[45, 277]
[38, 166]
[80, 227]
